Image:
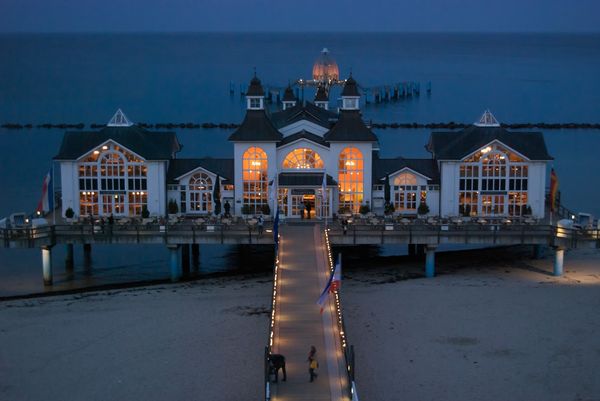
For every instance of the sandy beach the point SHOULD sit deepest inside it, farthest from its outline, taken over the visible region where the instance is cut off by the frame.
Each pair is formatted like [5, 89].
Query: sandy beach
[506, 331]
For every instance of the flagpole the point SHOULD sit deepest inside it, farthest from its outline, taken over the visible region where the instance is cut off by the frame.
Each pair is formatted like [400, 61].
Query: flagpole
[53, 197]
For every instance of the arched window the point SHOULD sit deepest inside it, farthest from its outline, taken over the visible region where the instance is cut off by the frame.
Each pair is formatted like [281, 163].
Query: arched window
[351, 178]
[303, 158]
[405, 192]
[112, 181]
[254, 176]
[200, 189]
[491, 179]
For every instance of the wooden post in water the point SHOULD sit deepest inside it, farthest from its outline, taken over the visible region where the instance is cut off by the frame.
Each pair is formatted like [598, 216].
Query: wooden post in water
[47, 264]
[69, 260]
[195, 257]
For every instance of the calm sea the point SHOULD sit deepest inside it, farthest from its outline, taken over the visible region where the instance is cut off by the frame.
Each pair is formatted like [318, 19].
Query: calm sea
[186, 78]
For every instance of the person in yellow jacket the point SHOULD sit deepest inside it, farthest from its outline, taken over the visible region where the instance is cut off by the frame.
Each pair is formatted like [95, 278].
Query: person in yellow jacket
[313, 365]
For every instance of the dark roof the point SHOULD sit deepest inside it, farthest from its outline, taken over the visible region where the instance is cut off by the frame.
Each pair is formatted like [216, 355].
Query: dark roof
[148, 144]
[303, 135]
[350, 88]
[255, 88]
[288, 95]
[256, 127]
[350, 128]
[427, 167]
[321, 95]
[307, 111]
[457, 145]
[304, 179]
[179, 167]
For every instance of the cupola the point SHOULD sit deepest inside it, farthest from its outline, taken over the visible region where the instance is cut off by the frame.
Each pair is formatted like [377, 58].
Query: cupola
[289, 99]
[322, 98]
[255, 96]
[350, 95]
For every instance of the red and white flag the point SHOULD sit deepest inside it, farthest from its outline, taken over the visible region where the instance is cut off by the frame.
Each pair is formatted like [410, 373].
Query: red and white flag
[46, 203]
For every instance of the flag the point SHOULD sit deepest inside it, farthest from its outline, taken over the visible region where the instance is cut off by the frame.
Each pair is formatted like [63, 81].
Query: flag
[217, 195]
[333, 284]
[46, 203]
[553, 190]
[276, 227]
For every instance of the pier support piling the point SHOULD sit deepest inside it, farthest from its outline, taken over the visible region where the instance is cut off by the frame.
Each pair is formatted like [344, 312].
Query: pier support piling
[174, 262]
[69, 260]
[87, 255]
[47, 264]
[429, 261]
[558, 262]
[196, 257]
[185, 260]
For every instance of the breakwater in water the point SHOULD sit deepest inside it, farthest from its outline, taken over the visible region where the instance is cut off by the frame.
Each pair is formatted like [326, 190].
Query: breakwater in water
[395, 125]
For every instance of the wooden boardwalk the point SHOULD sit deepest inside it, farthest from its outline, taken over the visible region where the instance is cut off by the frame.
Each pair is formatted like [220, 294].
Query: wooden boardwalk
[299, 324]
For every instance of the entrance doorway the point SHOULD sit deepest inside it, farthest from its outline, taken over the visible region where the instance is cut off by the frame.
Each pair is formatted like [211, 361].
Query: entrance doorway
[493, 205]
[113, 204]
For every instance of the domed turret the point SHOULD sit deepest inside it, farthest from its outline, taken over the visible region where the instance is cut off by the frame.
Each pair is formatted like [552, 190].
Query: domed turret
[325, 68]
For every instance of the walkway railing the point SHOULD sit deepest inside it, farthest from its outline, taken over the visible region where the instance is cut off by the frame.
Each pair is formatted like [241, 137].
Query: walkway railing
[269, 347]
[436, 233]
[347, 349]
[52, 234]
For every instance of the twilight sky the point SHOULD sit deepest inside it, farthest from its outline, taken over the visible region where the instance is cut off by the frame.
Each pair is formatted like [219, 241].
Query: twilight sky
[304, 15]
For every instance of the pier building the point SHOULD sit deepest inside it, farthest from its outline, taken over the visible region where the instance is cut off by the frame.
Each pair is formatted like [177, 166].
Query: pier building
[305, 156]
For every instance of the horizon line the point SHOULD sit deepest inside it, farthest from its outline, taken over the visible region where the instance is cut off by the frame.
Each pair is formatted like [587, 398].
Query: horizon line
[541, 32]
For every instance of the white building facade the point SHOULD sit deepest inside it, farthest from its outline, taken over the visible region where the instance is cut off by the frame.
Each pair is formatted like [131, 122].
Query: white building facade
[303, 158]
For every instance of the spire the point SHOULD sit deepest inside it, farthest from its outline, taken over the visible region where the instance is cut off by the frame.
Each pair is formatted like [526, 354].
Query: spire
[487, 119]
[350, 95]
[255, 96]
[119, 120]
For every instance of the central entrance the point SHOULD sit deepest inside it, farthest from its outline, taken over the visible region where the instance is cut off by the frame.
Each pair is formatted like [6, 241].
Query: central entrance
[301, 200]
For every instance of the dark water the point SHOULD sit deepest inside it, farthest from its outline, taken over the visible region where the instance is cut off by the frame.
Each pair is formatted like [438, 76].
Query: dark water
[185, 77]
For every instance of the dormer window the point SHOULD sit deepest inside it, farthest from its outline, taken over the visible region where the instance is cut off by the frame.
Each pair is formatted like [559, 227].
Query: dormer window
[350, 103]
[255, 103]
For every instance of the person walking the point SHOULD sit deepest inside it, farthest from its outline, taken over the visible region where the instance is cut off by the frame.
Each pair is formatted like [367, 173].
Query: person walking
[227, 208]
[301, 210]
[261, 223]
[308, 208]
[344, 226]
[313, 364]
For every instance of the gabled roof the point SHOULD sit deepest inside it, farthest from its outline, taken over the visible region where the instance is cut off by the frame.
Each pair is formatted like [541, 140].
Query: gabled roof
[303, 135]
[256, 127]
[179, 167]
[350, 88]
[307, 111]
[426, 167]
[147, 144]
[304, 179]
[457, 145]
[350, 128]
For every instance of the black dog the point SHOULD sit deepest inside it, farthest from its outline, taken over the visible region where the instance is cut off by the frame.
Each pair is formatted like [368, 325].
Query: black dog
[276, 362]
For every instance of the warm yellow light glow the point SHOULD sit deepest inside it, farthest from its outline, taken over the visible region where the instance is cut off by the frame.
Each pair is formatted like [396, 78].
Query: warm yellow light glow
[104, 147]
[96, 152]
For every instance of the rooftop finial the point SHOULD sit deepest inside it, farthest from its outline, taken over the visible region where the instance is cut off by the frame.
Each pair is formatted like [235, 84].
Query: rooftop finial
[119, 120]
[487, 119]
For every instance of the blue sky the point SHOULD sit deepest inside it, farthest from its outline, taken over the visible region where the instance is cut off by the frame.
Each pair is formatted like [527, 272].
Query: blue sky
[304, 15]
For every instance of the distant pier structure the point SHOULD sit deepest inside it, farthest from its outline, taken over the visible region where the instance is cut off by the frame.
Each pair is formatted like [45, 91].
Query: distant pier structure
[325, 74]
